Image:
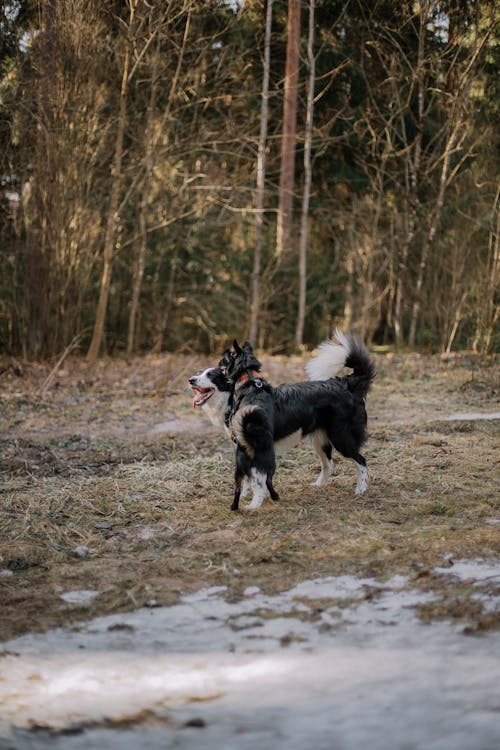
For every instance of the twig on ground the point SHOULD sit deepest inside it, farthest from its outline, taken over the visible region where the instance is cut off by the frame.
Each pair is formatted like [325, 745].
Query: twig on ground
[52, 374]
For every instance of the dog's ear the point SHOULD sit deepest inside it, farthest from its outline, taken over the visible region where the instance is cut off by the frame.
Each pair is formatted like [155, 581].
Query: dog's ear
[225, 360]
[236, 347]
[247, 346]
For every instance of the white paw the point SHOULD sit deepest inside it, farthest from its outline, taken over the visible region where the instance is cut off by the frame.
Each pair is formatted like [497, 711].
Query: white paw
[362, 484]
[320, 481]
[361, 489]
[253, 505]
[246, 488]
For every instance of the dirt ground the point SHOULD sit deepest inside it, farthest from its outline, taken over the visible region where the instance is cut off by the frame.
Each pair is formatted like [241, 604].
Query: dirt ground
[112, 484]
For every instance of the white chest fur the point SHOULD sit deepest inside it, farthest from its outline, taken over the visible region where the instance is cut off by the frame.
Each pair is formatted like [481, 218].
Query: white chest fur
[215, 409]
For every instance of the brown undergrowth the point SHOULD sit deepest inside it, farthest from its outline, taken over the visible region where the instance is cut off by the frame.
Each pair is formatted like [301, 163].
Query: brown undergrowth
[111, 483]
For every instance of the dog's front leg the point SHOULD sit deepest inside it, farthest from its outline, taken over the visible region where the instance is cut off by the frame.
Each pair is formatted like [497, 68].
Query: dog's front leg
[362, 483]
[323, 450]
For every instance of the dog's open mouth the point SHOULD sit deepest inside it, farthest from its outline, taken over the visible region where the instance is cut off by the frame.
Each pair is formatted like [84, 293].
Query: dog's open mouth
[202, 395]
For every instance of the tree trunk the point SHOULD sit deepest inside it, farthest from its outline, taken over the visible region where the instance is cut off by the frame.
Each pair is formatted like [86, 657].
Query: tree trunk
[39, 239]
[349, 288]
[112, 220]
[261, 176]
[138, 273]
[456, 323]
[429, 239]
[168, 302]
[143, 224]
[299, 332]
[412, 179]
[489, 312]
[285, 201]
[493, 310]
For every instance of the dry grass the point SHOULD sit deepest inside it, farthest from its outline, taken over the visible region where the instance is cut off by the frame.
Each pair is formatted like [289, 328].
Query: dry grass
[82, 469]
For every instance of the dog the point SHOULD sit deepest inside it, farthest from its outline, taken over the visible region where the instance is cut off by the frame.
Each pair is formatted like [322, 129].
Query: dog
[262, 420]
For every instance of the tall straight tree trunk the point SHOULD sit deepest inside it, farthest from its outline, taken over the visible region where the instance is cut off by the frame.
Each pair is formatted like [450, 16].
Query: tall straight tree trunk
[412, 180]
[168, 301]
[299, 332]
[285, 201]
[492, 284]
[146, 187]
[429, 238]
[138, 271]
[39, 240]
[261, 177]
[112, 220]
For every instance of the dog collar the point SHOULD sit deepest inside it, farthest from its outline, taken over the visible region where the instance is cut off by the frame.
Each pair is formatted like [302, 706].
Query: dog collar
[245, 376]
[254, 377]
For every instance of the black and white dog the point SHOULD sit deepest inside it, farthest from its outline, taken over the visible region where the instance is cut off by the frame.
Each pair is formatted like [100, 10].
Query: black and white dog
[328, 410]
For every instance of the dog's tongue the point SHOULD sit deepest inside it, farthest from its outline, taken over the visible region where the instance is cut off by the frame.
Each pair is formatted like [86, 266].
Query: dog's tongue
[199, 396]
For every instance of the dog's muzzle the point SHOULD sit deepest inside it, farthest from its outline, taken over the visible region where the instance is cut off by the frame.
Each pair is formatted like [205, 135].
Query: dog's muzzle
[202, 394]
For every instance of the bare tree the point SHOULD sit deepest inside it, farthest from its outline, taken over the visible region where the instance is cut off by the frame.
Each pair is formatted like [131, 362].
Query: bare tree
[492, 310]
[145, 190]
[488, 312]
[261, 177]
[412, 156]
[299, 331]
[40, 231]
[113, 212]
[116, 185]
[456, 133]
[287, 175]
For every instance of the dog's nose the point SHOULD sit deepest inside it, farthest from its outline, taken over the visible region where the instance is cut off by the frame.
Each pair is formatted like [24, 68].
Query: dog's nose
[192, 381]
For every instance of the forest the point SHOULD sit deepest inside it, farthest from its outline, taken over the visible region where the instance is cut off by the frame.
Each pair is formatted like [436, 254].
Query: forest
[174, 173]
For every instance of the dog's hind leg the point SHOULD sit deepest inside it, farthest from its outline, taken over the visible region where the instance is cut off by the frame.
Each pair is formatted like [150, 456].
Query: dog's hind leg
[259, 488]
[246, 487]
[237, 494]
[348, 446]
[240, 476]
[272, 491]
[323, 449]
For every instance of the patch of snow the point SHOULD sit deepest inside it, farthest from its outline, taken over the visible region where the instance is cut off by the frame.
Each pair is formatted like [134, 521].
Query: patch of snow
[335, 662]
[251, 591]
[204, 594]
[473, 415]
[83, 596]
[81, 551]
[479, 570]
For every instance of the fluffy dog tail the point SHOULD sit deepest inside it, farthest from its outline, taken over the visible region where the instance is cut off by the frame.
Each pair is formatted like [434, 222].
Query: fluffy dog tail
[250, 428]
[345, 350]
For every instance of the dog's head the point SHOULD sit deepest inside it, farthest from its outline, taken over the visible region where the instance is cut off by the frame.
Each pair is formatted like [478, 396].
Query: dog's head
[207, 382]
[241, 359]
